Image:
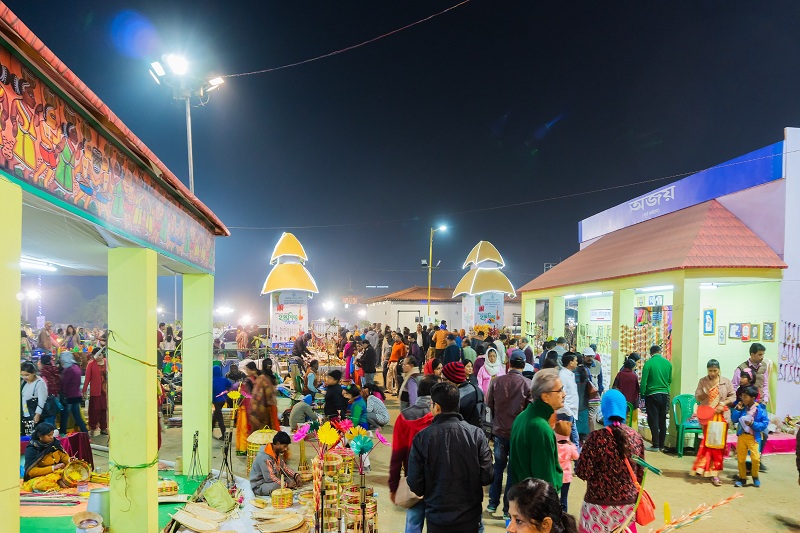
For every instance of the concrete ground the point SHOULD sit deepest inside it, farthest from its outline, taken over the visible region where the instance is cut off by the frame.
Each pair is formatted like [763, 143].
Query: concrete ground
[773, 507]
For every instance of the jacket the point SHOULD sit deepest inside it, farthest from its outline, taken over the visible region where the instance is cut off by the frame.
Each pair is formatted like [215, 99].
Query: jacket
[727, 394]
[451, 354]
[398, 352]
[759, 423]
[219, 384]
[507, 397]
[372, 337]
[335, 403]
[567, 452]
[534, 452]
[50, 375]
[449, 464]
[470, 403]
[656, 376]
[572, 400]
[627, 382]
[410, 422]
[268, 467]
[71, 382]
[369, 360]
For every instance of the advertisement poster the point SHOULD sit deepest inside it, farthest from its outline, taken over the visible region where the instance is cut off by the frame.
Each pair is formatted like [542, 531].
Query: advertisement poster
[467, 312]
[489, 309]
[288, 315]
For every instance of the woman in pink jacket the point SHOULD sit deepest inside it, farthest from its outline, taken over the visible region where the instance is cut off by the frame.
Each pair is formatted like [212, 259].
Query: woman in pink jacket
[567, 452]
[492, 368]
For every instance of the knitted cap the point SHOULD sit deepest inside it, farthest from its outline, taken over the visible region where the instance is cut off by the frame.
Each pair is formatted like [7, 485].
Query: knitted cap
[613, 404]
[455, 372]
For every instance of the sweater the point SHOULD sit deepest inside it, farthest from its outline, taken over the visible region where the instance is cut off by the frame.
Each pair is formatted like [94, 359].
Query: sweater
[656, 376]
[398, 352]
[627, 382]
[358, 413]
[410, 422]
[567, 452]
[375, 405]
[534, 452]
[608, 481]
[71, 382]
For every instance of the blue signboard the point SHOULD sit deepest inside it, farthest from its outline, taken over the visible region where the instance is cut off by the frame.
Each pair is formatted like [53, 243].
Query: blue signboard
[749, 170]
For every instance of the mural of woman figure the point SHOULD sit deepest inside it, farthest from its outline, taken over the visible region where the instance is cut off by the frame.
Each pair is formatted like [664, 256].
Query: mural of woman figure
[84, 191]
[68, 159]
[5, 76]
[50, 143]
[24, 120]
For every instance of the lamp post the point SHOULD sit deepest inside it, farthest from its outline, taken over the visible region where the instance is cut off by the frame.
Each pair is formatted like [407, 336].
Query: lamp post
[184, 88]
[430, 265]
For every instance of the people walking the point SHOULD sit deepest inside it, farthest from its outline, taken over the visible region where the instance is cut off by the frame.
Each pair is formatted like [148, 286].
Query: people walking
[753, 421]
[656, 382]
[71, 393]
[716, 392]
[627, 382]
[96, 381]
[569, 412]
[471, 401]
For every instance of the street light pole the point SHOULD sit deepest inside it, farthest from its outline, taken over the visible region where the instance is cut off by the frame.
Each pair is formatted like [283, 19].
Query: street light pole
[189, 143]
[430, 265]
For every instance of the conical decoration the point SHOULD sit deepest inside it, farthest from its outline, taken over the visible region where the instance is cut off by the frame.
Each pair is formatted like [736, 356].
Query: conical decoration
[484, 251]
[288, 246]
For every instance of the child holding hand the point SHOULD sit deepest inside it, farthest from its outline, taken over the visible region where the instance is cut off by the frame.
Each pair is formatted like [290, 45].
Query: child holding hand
[753, 420]
[567, 452]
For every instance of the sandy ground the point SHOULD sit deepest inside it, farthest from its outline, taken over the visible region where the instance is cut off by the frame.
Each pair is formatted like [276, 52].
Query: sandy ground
[773, 507]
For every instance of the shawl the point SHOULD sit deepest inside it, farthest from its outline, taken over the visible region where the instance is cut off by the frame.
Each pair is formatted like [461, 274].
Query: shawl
[492, 368]
[37, 450]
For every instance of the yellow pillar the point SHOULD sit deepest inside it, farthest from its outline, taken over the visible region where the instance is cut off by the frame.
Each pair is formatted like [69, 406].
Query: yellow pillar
[685, 343]
[11, 222]
[557, 318]
[132, 401]
[198, 301]
[622, 315]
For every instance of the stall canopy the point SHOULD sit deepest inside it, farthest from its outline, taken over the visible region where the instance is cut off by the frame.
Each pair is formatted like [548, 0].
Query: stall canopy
[702, 236]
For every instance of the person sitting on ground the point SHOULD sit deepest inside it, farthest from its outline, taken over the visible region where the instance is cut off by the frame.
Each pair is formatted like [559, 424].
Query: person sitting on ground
[302, 412]
[357, 406]
[534, 508]
[310, 380]
[269, 467]
[44, 454]
[335, 403]
[377, 414]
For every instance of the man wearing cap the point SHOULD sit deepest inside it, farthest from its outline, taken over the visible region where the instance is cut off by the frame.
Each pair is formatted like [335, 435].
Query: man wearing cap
[507, 396]
[470, 403]
[452, 353]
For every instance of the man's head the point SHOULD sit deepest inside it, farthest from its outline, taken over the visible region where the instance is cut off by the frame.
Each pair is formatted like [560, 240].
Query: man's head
[451, 339]
[547, 386]
[569, 361]
[280, 442]
[161, 326]
[757, 352]
[517, 359]
[635, 356]
[444, 398]
[333, 377]
[561, 341]
[364, 344]
[409, 364]
[481, 334]
[655, 349]
[588, 356]
[48, 325]
[465, 342]
[426, 384]
[454, 372]
[412, 336]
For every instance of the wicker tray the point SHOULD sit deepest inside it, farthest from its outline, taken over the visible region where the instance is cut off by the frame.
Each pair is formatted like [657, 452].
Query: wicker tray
[205, 512]
[289, 522]
[194, 523]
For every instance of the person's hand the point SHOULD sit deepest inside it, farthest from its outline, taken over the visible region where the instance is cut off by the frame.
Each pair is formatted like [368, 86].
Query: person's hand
[392, 495]
[719, 409]
[59, 466]
[36, 418]
[739, 406]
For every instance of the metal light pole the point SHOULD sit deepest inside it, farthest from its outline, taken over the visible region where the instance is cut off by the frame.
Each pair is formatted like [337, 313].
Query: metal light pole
[189, 143]
[430, 265]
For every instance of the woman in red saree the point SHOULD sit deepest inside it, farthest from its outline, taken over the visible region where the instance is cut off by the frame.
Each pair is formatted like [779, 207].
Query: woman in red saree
[715, 393]
[243, 428]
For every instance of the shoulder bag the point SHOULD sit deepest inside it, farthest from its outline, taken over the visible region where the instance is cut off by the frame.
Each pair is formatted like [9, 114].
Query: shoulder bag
[645, 507]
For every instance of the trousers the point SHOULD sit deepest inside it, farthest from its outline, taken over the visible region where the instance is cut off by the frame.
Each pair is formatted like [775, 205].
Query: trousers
[657, 406]
[747, 443]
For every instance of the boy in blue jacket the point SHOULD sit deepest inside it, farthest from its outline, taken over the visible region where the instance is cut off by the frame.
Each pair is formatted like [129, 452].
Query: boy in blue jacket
[753, 420]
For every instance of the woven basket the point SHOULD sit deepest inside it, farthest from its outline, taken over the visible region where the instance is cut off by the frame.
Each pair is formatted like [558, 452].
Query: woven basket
[75, 472]
[332, 464]
[255, 441]
[352, 507]
[353, 491]
[227, 416]
[282, 498]
[205, 512]
[192, 522]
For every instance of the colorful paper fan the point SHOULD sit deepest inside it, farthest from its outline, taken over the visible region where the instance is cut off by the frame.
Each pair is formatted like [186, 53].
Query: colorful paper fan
[361, 445]
[301, 433]
[354, 432]
[234, 395]
[381, 438]
[314, 426]
[327, 435]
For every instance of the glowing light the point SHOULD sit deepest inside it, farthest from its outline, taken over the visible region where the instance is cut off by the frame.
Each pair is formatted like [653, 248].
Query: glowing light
[327, 305]
[223, 310]
[656, 288]
[32, 294]
[442, 228]
[20, 296]
[158, 70]
[153, 74]
[246, 319]
[159, 309]
[215, 82]
[362, 313]
[177, 64]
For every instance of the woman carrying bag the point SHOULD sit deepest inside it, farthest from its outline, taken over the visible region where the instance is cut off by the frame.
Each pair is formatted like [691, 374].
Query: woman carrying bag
[716, 395]
[33, 391]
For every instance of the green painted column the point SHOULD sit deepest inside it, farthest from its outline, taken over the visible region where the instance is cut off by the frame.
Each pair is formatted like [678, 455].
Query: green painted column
[198, 303]
[685, 343]
[622, 315]
[557, 319]
[10, 251]
[132, 388]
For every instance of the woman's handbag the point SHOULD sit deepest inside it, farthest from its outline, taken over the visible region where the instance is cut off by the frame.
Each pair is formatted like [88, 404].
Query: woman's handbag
[717, 433]
[645, 507]
[591, 391]
[404, 497]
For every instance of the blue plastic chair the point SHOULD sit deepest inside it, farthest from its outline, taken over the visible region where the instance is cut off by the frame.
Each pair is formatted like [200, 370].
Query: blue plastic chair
[682, 410]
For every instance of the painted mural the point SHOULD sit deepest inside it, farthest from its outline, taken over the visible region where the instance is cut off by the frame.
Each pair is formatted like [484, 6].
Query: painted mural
[48, 145]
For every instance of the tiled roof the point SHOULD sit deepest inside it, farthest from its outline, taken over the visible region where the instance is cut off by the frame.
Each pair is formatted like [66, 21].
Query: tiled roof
[415, 294]
[702, 236]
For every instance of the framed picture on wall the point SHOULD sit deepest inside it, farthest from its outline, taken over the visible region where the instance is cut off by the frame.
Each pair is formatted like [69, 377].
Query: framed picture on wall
[755, 331]
[721, 337]
[735, 331]
[640, 301]
[745, 332]
[768, 332]
[709, 321]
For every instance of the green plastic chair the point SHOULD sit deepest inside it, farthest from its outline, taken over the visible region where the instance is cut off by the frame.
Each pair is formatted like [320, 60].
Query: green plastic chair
[682, 411]
[629, 415]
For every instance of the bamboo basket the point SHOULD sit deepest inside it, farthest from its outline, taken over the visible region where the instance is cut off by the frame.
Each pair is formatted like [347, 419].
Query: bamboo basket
[332, 464]
[282, 498]
[227, 417]
[75, 472]
[353, 491]
[352, 507]
[255, 441]
[205, 512]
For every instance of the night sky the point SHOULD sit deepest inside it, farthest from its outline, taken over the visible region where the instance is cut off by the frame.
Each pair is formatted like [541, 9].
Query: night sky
[489, 105]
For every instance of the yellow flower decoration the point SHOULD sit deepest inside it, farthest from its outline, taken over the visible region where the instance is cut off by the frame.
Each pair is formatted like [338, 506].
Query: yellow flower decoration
[354, 432]
[234, 395]
[327, 435]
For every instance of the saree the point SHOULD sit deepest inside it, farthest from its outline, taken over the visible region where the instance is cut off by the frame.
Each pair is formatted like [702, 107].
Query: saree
[242, 423]
[709, 460]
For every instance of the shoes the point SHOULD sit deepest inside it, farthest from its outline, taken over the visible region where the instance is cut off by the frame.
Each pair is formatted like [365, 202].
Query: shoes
[104, 432]
[737, 483]
[762, 467]
[716, 482]
[491, 508]
[506, 516]
[756, 482]
[653, 449]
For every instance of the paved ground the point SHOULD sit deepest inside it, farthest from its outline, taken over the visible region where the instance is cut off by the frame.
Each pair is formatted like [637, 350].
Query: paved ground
[773, 507]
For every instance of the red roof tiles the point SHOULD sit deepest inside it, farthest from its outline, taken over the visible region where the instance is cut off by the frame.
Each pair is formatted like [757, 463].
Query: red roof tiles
[702, 236]
[438, 294]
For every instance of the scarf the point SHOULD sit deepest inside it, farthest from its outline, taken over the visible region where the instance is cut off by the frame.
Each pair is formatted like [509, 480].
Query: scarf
[428, 368]
[37, 450]
[67, 360]
[749, 419]
[492, 368]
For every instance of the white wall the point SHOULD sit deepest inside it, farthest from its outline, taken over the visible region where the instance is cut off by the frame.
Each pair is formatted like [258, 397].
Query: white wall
[387, 313]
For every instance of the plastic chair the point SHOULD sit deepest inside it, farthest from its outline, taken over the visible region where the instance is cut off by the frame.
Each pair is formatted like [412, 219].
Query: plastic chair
[682, 410]
[629, 415]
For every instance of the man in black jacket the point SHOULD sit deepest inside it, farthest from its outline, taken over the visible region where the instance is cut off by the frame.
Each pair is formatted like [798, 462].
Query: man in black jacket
[449, 464]
[368, 361]
[335, 403]
[471, 404]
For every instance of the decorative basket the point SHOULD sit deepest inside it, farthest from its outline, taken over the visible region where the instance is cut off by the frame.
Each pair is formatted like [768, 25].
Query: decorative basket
[167, 487]
[228, 414]
[352, 507]
[282, 498]
[75, 472]
[353, 491]
[255, 441]
[332, 464]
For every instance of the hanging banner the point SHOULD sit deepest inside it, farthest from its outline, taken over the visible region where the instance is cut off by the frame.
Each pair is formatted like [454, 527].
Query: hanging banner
[288, 315]
[467, 312]
[489, 308]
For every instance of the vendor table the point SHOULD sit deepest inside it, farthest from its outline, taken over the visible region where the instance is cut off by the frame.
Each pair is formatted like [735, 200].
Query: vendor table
[75, 445]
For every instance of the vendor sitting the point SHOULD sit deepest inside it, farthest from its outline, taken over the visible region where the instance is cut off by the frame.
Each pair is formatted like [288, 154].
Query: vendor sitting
[269, 466]
[44, 455]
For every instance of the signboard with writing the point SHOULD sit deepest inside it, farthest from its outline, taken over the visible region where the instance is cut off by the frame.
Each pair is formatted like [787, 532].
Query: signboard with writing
[288, 315]
[744, 172]
[489, 308]
[600, 315]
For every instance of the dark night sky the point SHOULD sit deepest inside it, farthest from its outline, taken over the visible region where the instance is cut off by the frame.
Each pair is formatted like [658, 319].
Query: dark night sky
[491, 104]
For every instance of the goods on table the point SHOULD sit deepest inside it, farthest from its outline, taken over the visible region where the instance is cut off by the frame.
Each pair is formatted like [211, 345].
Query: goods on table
[259, 504]
[101, 477]
[355, 490]
[205, 512]
[287, 522]
[282, 498]
[193, 522]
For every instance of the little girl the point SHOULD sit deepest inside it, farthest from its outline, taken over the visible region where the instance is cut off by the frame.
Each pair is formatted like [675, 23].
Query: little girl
[745, 380]
[567, 452]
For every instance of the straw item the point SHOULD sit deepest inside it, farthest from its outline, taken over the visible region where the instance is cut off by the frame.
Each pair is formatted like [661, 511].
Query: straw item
[205, 512]
[194, 523]
[288, 522]
[282, 498]
[75, 472]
